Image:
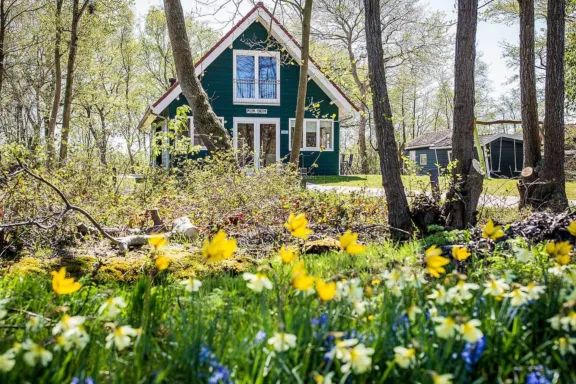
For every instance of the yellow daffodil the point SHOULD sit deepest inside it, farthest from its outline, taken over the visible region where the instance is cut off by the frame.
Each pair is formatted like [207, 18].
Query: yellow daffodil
[162, 262]
[572, 228]
[441, 379]
[300, 279]
[296, 224]
[491, 231]
[348, 243]
[287, 255]
[220, 248]
[460, 253]
[326, 291]
[62, 285]
[158, 241]
[560, 251]
[434, 262]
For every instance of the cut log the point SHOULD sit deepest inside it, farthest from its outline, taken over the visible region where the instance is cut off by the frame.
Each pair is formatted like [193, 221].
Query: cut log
[527, 172]
[183, 226]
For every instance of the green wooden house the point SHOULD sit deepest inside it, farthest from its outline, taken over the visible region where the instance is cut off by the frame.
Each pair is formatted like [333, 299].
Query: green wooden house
[251, 76]
[503, 153]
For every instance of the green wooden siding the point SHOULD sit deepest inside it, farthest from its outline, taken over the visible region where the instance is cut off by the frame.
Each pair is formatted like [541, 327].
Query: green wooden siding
[217, 80]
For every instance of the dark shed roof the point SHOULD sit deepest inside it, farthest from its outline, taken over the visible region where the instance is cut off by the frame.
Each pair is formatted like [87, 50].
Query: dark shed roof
[443, 139]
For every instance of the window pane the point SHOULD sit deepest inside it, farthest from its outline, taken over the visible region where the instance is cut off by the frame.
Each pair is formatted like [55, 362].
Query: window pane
[245, 77]
[267, 77]
[292, 128]
[311, 139]
[326, 134]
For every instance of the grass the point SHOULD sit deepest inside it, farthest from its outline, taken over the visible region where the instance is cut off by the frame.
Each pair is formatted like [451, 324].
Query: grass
[225, 332]
[497, 187]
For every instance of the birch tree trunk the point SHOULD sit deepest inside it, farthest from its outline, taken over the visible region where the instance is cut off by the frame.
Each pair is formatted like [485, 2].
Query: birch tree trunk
[398, 211]
[206, 123]
[466, 184]
[302, 84]
[50, 145]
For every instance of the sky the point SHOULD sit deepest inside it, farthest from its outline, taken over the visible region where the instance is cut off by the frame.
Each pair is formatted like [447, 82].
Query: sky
[489, 38]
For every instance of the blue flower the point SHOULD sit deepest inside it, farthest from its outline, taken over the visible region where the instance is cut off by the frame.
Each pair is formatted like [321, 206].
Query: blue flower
[472, 353]
[221, 375]
[320, 320]
[260, 336]
[538, 376]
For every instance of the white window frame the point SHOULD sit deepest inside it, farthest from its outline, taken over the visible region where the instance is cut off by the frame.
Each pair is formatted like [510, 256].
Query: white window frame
[257, 121]
[450, 156]
[425, 157]
[191, 130]
[257, 100]
[304, 147]
[413, 156]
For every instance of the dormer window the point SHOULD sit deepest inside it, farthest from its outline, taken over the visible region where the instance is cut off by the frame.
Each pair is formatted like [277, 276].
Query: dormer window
[256, 77]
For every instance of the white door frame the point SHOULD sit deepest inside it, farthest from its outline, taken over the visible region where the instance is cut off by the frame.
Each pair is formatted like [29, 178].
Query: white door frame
[257, 121]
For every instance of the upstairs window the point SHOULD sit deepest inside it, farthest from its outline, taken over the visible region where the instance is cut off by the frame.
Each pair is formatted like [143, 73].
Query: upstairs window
[256, 77]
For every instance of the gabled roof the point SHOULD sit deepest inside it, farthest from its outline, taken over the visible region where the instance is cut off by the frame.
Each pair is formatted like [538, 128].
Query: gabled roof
[443, 139]
[429, 139]
[261, 14]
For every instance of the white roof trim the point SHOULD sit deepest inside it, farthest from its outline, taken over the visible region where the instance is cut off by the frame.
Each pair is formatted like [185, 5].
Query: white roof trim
[262, 16]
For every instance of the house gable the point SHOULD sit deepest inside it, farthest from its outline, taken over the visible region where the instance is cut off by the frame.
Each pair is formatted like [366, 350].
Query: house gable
[259, 15]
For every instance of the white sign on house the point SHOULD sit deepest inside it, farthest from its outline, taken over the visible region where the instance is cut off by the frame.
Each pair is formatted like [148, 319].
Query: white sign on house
[284, 131]
[257, 111]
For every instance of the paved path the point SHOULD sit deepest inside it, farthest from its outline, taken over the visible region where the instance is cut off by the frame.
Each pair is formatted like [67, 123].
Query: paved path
[485, 200]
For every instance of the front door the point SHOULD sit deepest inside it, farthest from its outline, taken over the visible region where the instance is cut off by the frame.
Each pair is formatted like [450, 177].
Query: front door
[257, 141]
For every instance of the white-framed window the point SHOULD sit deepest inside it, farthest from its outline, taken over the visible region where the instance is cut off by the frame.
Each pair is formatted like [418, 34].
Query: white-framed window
[317, 134]
[413, 156]
[449, 156]
[196, 138]
[256, 77]
[423, 159]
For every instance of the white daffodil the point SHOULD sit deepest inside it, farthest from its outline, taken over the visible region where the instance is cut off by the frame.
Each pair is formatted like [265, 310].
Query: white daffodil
[360, 359]
[413, 278]
[393, 278]
[446, 328]
[470, 331]
[534, 291]
[7, 361]
[523, 255]
[569, 321]
[412, 311]
[360, 307]
[495, 287]
[35, 354]
[461, 291]
[404, 357]
[566, 345]
[112, 307]
[34, 323]
[517, 297]
[257, 282]
[281, 342]
[555, 322]
[121, 337]
[326, 379]
[341, 349]
[191, 285]
[439, 295]
[67, 323]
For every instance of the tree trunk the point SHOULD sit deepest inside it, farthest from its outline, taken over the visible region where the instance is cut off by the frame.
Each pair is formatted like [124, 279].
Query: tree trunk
[363, 153]
[2, 39]
[398, 210]
[205, 120]
[552, 192]
[77, 12]
[362, 149]
[530, 131]
[302, 84]
[51, 132]
[466, 184]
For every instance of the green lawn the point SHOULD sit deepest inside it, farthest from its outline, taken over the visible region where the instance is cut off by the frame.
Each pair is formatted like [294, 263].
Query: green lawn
[498, 187]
